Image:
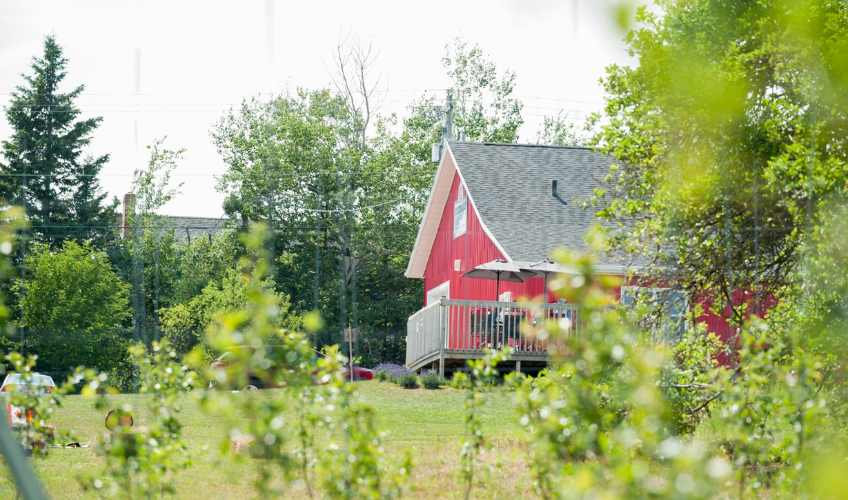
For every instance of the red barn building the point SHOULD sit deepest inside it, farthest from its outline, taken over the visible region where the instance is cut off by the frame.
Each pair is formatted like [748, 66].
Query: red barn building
[516, 202]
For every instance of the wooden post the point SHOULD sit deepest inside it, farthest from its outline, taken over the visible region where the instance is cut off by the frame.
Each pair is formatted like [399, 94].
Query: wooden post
[518, 366]
[442, 337]
[350, 336]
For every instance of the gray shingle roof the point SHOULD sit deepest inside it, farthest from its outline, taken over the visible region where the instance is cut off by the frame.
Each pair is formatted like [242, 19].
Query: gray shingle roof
[510, 185]
[191, 228]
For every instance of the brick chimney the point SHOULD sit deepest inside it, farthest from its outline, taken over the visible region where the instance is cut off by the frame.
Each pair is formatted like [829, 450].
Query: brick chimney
[129, 205]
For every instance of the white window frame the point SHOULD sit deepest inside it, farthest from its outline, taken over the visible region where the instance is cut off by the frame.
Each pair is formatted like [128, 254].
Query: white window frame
[460, 224]
[437, 292]
[672, 318]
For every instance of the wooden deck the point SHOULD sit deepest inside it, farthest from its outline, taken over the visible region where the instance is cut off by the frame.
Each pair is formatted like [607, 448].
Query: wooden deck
[450, 332]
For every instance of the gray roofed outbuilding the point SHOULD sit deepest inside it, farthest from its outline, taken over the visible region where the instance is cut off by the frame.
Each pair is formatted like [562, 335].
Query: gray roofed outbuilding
[511, 187]
[188, 229]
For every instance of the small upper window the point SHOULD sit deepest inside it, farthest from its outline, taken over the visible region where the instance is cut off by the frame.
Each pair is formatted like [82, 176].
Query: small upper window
[460, 214]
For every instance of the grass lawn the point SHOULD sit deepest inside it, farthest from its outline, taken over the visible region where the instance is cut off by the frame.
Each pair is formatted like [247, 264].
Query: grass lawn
[428, 422]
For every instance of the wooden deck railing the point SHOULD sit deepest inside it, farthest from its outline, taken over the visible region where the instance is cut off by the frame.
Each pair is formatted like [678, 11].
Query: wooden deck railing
[423, 334]
[461, 329]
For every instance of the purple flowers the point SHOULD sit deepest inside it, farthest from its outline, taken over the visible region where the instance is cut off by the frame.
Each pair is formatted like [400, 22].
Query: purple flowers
[390, 371]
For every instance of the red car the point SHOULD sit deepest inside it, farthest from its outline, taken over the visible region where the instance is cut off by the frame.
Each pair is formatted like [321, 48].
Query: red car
[264, 381]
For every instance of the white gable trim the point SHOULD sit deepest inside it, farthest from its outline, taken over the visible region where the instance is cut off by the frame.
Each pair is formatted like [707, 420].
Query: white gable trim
[614, 269]
[433, 217]
[429, 227]
[479, 218]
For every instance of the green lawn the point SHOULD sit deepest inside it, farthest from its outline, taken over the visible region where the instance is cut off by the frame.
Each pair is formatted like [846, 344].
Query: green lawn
[428, 422]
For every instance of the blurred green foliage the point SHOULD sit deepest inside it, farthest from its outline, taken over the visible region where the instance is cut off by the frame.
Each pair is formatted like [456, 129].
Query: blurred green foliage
[353, 463]
[730, 139]
[600, 425]
[184, 325]
[143, 461]
[76, 308]
[481, 373]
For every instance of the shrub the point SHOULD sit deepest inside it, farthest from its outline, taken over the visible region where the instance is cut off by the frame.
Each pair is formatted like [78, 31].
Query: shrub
[431, 380]
[407, 381]
[390, 372]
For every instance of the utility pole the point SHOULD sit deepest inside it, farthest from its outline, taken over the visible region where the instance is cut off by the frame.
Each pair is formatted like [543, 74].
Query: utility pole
[439, 148]
[449, 120]
[156, 293]
[24, 250]
[318, 249]
[139, 330]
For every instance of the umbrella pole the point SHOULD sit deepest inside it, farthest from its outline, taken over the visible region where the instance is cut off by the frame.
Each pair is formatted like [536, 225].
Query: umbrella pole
[498, 288]
[546, 287]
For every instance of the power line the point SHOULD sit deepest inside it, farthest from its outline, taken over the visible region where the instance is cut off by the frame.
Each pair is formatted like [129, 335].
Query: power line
[556, 99]
[391, 104]
[185, 94]
[271, 94]
[245, 174]
[206, 228]
[165, 111]
[229, 104]
[224, 106]
[345, 210]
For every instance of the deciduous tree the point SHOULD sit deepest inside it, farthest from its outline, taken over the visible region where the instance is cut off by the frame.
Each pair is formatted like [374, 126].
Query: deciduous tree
[729, 137]
[484, 108]
[76, 307]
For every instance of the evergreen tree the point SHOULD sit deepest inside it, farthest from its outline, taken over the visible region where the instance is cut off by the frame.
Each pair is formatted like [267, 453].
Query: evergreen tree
[46, 171]
[95, 217]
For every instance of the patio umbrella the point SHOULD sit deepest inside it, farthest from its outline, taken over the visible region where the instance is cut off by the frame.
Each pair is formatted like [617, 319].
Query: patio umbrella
[499, 270]
[547, 267]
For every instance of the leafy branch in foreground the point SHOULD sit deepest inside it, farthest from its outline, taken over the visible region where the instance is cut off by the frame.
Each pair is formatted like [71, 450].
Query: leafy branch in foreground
[356, 465]
[598, 421]
[353, 464]
[481, 373]
[142, 461]
[729, 140]
[29, 410]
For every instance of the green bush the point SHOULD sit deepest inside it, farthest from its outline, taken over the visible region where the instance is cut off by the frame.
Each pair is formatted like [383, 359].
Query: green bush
[408, 381]
[432, 380]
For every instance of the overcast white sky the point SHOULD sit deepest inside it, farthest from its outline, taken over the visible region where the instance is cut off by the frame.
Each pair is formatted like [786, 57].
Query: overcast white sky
[197, 58]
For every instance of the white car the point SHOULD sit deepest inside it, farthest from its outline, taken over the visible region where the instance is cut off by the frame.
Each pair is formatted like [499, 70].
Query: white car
[37, 385]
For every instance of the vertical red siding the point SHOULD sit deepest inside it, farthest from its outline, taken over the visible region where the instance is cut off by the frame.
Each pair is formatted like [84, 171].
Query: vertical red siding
[718, 323]
[475, 247]
[471, 249]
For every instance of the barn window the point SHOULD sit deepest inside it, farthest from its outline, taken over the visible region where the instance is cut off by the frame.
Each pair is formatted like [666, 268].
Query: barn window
[460, 214]
[670, 304]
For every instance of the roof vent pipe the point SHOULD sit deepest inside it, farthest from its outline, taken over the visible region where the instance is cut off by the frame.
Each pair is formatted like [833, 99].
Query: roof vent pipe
[555, 194]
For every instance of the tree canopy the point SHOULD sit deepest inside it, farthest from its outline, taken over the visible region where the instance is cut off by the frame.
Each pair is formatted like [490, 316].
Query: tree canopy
[184, 325]
[46, 168]
[484, 108]
[730, 139]
[72, 290]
